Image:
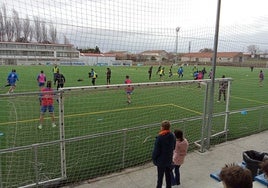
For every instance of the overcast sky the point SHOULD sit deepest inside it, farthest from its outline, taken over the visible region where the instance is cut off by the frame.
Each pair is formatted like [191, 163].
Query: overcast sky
[136, 25]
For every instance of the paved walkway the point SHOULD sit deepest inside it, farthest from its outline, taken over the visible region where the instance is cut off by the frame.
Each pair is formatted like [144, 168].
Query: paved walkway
[194, 172]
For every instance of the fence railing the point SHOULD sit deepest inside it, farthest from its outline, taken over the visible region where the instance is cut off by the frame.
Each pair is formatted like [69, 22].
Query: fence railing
[73, 152]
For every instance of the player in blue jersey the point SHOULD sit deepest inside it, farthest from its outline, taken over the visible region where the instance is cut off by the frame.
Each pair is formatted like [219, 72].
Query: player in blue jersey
[12, 78]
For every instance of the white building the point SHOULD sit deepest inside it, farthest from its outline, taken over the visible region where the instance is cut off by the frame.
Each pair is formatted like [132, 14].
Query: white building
[103, 60]
[16, 53]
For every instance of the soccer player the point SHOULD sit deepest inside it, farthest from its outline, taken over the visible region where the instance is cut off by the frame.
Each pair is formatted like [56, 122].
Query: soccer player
[41, 79]
[150, 72]
[108, 76]
[60, 80]
[93, 76]
[204, 71]
[128, 89]
[12, 78]
[223, 85]
[261, 78]
[159, 69]
[55, 70]
[195, 69]
[180, 72]
[199, 77]
[210, 74]
[46, 101]
[170, 74]
[162, 73]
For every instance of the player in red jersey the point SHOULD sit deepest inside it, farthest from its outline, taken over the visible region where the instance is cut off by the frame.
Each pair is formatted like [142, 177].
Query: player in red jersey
[46, 101]
[128, 89]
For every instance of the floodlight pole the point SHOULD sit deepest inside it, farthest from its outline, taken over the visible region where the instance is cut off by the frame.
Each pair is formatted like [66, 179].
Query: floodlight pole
[214, 60]
[177, 35]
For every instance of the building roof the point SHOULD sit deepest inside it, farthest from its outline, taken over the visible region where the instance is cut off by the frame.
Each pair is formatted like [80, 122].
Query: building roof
[153, 51]
[37, 44]
[97, 55]
[210, 54]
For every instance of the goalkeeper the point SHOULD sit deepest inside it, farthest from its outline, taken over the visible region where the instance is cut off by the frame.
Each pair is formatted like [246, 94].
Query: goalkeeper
[46, 101]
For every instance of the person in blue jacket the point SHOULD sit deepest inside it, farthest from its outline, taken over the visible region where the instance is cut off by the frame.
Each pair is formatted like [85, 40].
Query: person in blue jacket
[12, 78]
[162, 154]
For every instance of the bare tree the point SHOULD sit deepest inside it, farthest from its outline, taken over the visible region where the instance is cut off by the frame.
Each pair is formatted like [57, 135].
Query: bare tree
[53, 33]
[66, 40]
[17, 26]
[253, 50]
[2, 28]
[206, 50]
[10, 30]
[44, 33]
[26, 29]
[6, 23]
[37, 29]
[31, 34]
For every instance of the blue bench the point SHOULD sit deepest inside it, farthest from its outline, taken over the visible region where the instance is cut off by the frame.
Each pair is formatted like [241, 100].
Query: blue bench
[260, 178]
[215, 175]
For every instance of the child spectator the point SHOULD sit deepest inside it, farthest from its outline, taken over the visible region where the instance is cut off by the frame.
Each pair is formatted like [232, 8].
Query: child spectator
[264, 168]
[233, 176]
[179, 154]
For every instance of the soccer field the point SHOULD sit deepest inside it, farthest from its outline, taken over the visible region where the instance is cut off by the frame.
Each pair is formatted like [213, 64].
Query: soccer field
[105, 134]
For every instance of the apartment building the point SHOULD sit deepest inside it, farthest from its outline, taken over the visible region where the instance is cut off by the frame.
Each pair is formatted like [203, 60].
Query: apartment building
[16, 53]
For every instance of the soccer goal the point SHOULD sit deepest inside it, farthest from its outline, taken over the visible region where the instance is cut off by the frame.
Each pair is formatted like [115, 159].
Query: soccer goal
[98, 131]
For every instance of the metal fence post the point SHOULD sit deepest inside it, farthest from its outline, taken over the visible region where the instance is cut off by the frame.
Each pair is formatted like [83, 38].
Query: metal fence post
[62, 134]
[124, 147]
[261, 118]
[204, 122]
[35, 149]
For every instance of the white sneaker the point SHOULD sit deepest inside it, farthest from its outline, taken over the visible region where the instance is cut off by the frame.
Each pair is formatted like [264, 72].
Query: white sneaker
[40, 127]
[53, 125]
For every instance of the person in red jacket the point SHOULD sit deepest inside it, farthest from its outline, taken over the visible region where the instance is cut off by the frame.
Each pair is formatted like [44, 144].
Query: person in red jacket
[46, 101]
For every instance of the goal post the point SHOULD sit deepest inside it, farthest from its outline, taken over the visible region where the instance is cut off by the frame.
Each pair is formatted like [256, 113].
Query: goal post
[94, 121]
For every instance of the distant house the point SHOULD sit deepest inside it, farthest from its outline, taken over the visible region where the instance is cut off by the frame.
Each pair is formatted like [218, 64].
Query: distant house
[207, 57]
[119, 55]
[103, 59]
[155, 55]
[97, 59]
[264, 55]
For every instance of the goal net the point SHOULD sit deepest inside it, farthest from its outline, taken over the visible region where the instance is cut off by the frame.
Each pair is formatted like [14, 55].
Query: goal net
[97, 132]
[132, 26]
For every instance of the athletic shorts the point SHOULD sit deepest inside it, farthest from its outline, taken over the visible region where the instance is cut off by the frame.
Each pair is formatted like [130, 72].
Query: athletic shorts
[50, 108]
[41, 84]
[12, 83]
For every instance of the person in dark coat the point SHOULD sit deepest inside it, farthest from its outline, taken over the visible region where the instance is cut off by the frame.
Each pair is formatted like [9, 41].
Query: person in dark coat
[162, 154]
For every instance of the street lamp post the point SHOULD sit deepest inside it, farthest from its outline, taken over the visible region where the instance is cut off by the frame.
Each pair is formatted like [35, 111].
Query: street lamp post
[177, 35]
